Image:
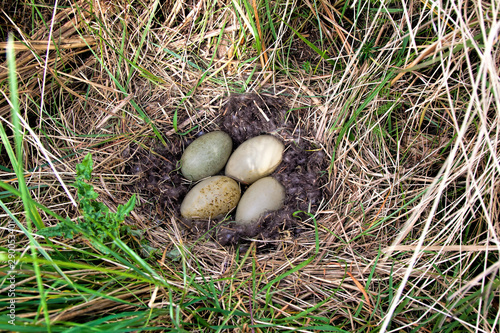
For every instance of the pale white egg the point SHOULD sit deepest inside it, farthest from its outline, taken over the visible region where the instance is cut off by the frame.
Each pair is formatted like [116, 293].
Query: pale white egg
[265, 195]
[255, 158]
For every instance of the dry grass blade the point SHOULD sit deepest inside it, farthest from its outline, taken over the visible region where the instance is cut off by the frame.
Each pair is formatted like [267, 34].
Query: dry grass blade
[41, 45]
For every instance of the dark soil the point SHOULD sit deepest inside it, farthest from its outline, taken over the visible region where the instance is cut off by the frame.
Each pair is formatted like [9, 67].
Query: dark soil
[302, 171]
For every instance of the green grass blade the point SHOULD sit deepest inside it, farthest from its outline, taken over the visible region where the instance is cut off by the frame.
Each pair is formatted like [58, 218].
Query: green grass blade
[31, 213]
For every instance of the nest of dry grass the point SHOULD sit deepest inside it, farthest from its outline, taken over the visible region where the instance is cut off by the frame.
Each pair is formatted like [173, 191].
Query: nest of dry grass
[402, 104]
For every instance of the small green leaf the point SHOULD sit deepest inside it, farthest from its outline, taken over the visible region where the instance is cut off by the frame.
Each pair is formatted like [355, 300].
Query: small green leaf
[60, 230]
[84, 169]
[85, 190]
[174, 121]
[124, 210]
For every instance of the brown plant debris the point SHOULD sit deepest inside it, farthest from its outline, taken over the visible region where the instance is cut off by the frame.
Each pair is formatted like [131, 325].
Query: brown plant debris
[247, 115]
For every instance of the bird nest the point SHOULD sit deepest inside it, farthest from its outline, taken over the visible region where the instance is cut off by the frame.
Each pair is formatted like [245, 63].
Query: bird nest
[303, 172]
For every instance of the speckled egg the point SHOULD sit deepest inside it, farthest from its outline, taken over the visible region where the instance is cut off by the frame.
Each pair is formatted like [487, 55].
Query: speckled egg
[206, 155]
[211, 198]
[255, 158]
[265, 195]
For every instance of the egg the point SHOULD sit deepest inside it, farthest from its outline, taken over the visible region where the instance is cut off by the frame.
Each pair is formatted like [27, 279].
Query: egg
[255, 158]
[265, 195]
[206, 155]
[211, 198]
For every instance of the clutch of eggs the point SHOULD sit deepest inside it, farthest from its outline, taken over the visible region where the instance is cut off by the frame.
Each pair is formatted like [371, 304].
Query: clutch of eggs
[250, 163]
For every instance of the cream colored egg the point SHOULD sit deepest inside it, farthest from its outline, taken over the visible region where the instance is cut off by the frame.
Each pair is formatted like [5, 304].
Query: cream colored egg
[206, 155]
[265, 195]
[255, 158]
[211, 198]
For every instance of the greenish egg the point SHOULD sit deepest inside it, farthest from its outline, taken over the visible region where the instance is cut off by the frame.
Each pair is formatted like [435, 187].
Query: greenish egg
[255, 158]
[265, 195]
[206, 155]
[212, 197]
